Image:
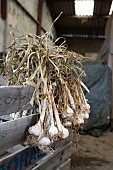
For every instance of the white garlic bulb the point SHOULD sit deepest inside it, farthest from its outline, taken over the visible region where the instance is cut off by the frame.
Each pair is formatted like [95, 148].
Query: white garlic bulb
[44, 141]
[53, 131]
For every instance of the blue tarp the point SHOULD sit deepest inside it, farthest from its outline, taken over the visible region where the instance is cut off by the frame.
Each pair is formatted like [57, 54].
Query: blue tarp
[98, 80]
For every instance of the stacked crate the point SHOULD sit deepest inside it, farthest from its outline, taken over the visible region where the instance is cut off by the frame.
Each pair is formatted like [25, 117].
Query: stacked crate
[14, 155]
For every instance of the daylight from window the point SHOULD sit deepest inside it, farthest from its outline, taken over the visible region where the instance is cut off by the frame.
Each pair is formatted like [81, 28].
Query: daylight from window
[111, 9]
[84, 8]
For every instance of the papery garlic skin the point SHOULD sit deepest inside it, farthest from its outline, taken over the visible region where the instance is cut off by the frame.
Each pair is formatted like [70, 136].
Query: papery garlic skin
[17, 115]
[87, 106]
[85, 115]
[67, 124]
[66, 115]
[53, 131]
[69, 110]
[44, 141]
[35, 130]
[78, 120]
[24, 113]
[65, 132]
[12, 115]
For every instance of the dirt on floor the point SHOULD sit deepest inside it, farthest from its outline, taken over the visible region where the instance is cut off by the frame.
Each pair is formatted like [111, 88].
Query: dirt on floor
[93, 153]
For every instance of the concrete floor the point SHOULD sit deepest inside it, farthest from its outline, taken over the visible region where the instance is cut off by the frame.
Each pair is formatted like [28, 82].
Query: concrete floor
[93, 153]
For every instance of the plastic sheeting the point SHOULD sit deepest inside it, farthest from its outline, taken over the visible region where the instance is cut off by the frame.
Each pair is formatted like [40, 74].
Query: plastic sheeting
[98, 80]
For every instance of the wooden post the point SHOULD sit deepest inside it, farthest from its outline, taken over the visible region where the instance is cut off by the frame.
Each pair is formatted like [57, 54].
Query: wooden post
[39, 17]
[110, 64]
[4, 9]
[4, 4]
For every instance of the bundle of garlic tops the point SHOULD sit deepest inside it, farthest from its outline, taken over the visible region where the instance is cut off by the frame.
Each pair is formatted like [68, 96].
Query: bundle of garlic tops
[55, 73]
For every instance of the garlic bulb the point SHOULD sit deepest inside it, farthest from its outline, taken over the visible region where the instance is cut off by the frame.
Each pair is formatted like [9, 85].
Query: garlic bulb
[64, 115]
[24, 113]
[17, 115]
[65, 132]
[12, 115]
[69, 110]
[67, 124]
[44, 141]
[85, 115]
[53, 131]
[69, 113]
[78, 120]
[87, 106]
[35, 130]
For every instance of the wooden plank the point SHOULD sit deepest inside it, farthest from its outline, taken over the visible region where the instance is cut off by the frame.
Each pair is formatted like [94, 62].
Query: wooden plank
[13, 132]
[65, 165]
[53, 160]
[22, 159]
[27, 157]
[110, 64]
[14, 99]
[40, 4]
[5, 118]
[3, 82]
[62, 142]
[4, 9]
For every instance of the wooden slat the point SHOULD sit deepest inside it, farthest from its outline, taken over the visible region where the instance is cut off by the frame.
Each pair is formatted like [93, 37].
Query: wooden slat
[13, 132]
[65, 165]
[63, 142]
[55, 159]
[3, 82]
[21, 159]
[13, 98]
[40, 4]
[27, 157]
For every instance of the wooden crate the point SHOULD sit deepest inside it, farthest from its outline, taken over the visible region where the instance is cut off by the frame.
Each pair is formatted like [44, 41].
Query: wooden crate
[15, 156]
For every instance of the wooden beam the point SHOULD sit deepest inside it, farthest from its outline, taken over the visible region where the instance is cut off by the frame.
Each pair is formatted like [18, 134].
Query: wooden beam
[110, 64]
[4, 9]
[40, 3]
[14, 132]
[27, 13]
[85, 17]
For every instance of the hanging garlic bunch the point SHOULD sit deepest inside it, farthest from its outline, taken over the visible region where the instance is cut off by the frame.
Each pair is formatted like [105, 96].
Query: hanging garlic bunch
[36, 61]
